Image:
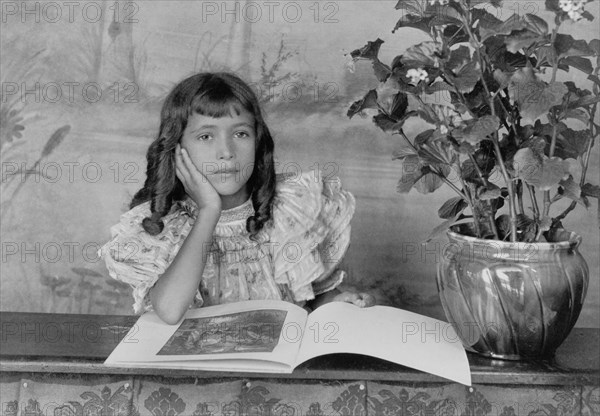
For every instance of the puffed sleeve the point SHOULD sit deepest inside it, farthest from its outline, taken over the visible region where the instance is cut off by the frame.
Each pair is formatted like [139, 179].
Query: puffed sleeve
[311, 233]
[137, 258]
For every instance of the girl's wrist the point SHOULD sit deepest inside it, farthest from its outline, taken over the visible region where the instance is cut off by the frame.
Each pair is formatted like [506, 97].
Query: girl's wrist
[207, 218]
[209, 212]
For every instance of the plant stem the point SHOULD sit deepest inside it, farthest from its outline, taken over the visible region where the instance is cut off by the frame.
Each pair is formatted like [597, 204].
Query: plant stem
[450, 184]
[586, 160]
[471, 206]
[519, 189]
[552, 41]
[536, 210]
[478, 170]
[480, 57]
[490, 214]
[547, 201]
[511, 196]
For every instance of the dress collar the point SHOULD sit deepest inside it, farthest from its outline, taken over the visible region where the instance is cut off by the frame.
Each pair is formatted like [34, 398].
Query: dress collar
[239, 213]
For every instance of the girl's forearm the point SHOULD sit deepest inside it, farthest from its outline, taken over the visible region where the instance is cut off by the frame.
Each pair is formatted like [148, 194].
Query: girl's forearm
[175, 289]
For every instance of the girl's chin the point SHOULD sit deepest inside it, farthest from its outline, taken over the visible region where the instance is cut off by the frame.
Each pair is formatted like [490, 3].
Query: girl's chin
[232, 192]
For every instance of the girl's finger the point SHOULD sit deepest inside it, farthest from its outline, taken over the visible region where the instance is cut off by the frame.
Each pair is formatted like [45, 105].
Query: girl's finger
[178, 174]
[187, 160]
[367, 299]
[353, 297]
[180, 163]
[182, 175]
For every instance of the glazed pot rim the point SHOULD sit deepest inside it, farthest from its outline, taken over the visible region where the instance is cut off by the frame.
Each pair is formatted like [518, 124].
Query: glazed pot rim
[571, 240]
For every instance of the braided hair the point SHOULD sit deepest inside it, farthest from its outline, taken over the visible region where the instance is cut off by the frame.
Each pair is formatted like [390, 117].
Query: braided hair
[212, 95]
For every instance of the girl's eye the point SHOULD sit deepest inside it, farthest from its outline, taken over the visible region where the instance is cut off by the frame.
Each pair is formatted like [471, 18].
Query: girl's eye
[204, 137]
[242, 134]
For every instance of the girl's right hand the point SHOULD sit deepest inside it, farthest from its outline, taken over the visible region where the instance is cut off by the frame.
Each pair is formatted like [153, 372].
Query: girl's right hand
[195, 183]
[362, 300]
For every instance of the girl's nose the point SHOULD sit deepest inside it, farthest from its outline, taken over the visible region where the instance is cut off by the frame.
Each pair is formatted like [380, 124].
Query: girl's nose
[225, 150]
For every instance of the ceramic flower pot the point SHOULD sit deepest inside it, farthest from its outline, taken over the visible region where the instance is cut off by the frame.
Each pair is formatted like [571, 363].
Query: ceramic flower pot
[512, 300]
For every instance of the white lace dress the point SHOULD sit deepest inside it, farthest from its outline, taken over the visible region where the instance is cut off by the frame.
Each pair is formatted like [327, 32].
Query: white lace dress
[295, 258]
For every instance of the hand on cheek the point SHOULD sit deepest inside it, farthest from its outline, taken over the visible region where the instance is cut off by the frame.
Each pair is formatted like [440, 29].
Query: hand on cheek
[196, 185]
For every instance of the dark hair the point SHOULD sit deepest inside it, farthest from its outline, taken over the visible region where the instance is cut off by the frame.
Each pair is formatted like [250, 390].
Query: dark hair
[211, 95]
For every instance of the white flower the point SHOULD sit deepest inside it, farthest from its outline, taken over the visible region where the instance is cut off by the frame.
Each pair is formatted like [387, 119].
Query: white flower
[574, 8]
[417, 75]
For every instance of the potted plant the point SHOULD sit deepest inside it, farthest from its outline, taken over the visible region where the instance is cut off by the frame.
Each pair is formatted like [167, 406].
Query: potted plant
[514, 144]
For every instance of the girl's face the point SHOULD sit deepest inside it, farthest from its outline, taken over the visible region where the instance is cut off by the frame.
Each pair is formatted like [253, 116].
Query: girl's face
[222, 149]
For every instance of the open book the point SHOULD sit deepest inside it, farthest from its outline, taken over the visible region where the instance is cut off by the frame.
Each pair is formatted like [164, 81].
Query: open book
[271, 336]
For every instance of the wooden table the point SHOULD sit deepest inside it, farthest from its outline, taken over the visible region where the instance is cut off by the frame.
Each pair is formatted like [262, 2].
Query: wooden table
[51, 364]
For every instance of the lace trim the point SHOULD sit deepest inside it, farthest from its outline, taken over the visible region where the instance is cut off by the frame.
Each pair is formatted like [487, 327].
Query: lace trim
[239, 213]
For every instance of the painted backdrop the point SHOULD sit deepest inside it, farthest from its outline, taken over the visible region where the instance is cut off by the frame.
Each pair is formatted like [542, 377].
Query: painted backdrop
[82, 85]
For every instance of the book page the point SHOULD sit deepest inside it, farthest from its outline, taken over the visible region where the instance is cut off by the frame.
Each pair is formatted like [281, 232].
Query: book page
[388, 333]
[262, 330]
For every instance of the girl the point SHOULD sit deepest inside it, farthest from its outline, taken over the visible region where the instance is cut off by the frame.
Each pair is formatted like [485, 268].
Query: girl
[214, 223]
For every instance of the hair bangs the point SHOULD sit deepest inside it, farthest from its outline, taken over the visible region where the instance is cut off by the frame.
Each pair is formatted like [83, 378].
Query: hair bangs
[219, 101]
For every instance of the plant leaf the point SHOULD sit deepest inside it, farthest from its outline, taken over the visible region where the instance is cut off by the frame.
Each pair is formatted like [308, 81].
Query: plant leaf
[566, 45]
[584, 101]
[368, 101]
[452, 208]
[455, 34]
[414, 21]
[536, 24]
[495, 3]
[477, 130]
[542, 172]
[420, 55]
[591, 190]
[436, 151]
[491, 194]
[438, 86]
[570, 189]
[546, 55]
[489, 28]
[403, 152]
[552, 5]
[578, 114]
[399, 105]
[534, 97]
[595, 46]
[536, 144]
[521, 40]
[595, 79]
[571, 143]
[458, 58]
[578, 62]
[468, 76]
[416, 7]
[430, 182]
[387, 124]
[441, 228]
[412, 171]
[444, 14]
[502, 78]
[369, 51]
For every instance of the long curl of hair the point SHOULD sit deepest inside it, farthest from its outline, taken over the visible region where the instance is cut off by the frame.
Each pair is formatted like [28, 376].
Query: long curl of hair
[212, 95]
